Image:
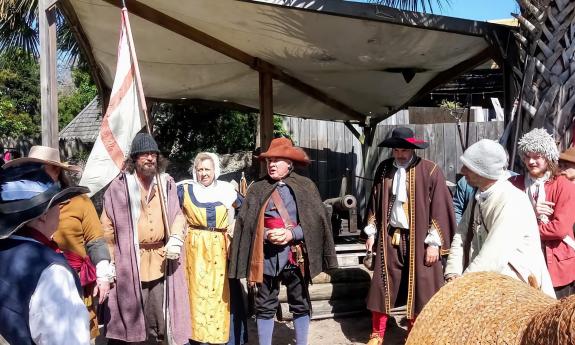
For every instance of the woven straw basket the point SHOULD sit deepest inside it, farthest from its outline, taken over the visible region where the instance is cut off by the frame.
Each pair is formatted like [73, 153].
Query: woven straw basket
[489, 308]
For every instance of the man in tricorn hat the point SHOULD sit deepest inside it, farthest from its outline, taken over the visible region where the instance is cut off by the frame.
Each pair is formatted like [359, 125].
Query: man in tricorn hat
[40, 299]
[282, 234]
[410, 220]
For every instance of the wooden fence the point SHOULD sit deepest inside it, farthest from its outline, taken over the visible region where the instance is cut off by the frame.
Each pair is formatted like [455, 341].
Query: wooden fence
[333, 149]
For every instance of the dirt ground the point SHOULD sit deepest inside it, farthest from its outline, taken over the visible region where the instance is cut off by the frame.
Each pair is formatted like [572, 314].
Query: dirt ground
[343, 331]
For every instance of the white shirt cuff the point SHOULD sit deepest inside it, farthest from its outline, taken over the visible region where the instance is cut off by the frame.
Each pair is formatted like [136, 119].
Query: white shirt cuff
[432, 238]
[370, 230]
[105, 271]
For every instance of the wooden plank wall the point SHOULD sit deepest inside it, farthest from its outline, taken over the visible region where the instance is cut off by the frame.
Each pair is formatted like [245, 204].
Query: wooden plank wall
[333, 149]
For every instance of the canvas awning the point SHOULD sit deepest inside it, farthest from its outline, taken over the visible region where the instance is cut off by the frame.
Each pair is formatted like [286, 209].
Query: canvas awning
[330, 59]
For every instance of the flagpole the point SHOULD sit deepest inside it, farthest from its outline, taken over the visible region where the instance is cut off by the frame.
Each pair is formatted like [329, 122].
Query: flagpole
[144, 107]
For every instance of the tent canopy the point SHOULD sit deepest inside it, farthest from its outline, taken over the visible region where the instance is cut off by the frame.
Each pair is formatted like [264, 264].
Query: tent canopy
[330, 59]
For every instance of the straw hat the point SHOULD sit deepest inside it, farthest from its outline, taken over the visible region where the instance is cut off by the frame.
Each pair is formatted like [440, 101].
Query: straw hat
[283, 148]
[26, 193]
[403, 138]
[568, 155]
[43, 155]
[489, 308]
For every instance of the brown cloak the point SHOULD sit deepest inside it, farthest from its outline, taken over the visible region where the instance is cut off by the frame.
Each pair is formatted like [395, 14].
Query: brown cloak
[312, 216]
[429, 204]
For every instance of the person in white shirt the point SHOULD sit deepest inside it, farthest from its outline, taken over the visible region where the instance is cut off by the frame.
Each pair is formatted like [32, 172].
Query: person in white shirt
[499, 232]
[39, 293]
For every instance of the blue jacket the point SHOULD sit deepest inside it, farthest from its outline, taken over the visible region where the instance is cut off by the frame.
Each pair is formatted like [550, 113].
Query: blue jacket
[463, 194]
[21, 265]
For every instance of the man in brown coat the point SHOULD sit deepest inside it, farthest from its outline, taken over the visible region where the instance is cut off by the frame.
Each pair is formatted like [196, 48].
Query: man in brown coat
[411, 221]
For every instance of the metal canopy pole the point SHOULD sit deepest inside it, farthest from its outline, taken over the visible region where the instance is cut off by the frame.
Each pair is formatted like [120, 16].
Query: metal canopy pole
[48, 85]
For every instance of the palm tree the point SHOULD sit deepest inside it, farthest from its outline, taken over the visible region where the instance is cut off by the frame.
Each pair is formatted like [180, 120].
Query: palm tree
[19, 30]
[547, 41]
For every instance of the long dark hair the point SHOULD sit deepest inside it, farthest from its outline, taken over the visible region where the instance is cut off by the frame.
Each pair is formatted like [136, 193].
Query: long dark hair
[130, 164]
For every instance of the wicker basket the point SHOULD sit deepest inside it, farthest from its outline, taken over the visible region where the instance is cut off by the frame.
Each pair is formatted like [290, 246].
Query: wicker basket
[489, 308]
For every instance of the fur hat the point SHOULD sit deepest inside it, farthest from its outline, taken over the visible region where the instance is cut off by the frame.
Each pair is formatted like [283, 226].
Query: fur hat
[540, 142]
[486, 158]
[283, 148]
[143, 142]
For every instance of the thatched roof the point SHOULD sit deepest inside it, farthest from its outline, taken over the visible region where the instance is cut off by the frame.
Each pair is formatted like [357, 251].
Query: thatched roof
[86, 125]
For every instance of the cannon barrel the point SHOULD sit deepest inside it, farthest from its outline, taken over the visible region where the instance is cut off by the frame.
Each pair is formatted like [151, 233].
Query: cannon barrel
[342, 203]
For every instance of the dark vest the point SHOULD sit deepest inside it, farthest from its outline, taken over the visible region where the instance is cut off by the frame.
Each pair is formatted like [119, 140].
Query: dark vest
[21, 265]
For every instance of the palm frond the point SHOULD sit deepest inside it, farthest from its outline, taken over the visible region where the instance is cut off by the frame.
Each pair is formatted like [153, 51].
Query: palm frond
[414, 5]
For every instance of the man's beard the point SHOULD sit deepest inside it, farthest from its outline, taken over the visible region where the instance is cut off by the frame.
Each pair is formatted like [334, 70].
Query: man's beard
[147, 169]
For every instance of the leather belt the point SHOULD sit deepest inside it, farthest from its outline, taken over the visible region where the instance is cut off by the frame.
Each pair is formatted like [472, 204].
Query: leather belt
[152, 245]
[208, 228]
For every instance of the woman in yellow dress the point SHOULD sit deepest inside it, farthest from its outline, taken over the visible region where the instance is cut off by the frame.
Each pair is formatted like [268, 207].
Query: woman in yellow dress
[208, 207]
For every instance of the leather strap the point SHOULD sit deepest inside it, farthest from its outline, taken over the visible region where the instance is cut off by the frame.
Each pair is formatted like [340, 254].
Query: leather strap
[284, 214]
[208, 228]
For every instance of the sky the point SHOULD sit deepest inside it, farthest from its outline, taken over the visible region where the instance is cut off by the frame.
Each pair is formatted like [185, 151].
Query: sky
[481, 10]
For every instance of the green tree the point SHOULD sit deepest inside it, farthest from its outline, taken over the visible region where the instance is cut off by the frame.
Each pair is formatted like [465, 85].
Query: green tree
[70, 104]
[19, 94]
[186, 129]
[13, 123]
[19, 81]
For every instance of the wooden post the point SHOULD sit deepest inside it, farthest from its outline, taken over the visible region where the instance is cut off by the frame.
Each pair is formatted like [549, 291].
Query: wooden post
[48, 85]
[266, 121]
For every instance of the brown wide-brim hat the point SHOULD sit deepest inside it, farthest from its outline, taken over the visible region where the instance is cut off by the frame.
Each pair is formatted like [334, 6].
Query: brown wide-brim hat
[403, 138]
[43, 155]
[283, 148]
[568, 155]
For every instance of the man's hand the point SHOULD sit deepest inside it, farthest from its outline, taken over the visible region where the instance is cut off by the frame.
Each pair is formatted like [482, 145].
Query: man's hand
[102, 289]
[431, 255]
[279, 236]
[369, 243]
[544, 208]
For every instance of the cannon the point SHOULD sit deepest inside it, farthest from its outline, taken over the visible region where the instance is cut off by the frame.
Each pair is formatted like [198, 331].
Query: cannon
[343, 213]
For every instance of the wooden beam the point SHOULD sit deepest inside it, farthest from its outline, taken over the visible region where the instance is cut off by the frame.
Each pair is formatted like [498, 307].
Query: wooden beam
[48, 84]
[266, 110]
[163, 20]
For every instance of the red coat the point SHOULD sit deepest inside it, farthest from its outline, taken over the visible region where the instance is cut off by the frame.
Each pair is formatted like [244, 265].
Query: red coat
[560, 257]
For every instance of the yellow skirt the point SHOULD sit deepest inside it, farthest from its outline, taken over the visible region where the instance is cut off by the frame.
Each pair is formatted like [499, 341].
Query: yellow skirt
[208, 286]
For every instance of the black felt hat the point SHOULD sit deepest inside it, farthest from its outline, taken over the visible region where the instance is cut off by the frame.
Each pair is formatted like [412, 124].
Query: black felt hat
[26, 193]
[403, 138]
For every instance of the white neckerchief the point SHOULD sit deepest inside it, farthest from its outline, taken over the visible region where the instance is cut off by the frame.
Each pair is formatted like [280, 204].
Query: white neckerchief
[536, 187]
[398, 218]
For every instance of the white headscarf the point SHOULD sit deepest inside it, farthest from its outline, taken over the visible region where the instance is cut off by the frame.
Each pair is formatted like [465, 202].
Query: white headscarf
[217, 191]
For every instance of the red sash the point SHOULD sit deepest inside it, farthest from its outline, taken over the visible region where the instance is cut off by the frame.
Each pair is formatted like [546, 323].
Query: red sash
[84, 266]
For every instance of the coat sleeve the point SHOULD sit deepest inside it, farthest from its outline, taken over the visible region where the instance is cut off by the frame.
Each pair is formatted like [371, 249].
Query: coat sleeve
[456, 256]
[561, 223]
[506, 230]
[442, 217]
[329, 254]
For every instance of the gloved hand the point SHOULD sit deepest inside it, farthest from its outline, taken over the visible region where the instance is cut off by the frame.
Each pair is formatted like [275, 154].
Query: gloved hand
[174, 247]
